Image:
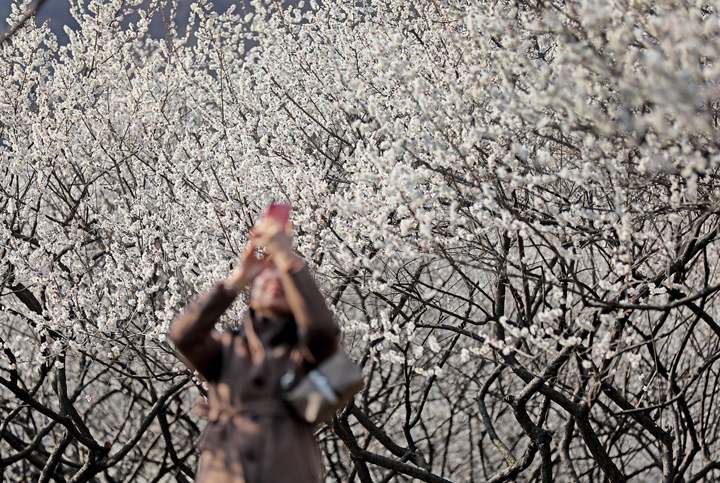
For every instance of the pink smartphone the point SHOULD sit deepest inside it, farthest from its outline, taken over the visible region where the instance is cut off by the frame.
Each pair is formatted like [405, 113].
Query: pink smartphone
[279, 211]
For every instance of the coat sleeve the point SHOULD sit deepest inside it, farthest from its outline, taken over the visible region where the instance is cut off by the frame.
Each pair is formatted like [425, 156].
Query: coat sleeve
[317, 328]
[193, 334]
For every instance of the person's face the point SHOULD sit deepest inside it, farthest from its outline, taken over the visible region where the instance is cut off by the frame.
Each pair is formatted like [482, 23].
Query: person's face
[267, 294]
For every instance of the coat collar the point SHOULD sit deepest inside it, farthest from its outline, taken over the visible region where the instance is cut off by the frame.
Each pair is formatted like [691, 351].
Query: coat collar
[272, 330]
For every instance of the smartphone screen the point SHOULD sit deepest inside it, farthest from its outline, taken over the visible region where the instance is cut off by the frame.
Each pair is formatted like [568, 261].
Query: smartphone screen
[279, 211]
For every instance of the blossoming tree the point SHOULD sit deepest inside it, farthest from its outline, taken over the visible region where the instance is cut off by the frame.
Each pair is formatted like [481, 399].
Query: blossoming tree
[512, 207]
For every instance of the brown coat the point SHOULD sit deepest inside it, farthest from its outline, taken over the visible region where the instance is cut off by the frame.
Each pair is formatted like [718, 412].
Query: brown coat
[251, 436]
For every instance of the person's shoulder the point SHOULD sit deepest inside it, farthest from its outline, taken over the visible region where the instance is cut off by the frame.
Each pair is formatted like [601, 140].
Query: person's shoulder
[237, 329]
[229, 333]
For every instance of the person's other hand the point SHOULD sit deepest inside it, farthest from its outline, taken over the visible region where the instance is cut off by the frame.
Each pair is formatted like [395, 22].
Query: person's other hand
[248, 267]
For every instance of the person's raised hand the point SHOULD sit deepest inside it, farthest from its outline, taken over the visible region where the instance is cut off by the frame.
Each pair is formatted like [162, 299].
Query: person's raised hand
[277, 241]
[249, 266]
[273, 236]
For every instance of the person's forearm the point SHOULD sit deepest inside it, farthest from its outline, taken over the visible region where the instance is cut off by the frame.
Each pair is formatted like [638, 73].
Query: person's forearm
[195, 323]
[315, 321]
[238, 280]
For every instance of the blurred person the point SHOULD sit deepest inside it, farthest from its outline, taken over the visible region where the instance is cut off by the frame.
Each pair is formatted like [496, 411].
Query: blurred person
[252, 436]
